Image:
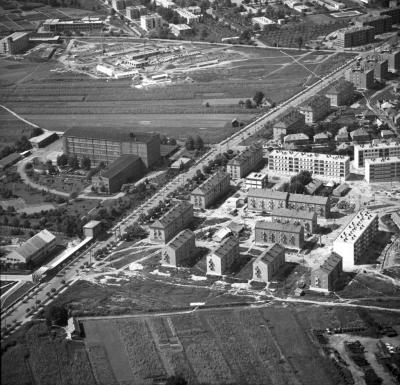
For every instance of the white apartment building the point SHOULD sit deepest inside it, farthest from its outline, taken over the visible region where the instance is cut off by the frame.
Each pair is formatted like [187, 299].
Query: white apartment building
[150, 22]
[382, 169]
[323, 166]
[354, 241]
[256, 180]
[179, 29]
[188, 16]
[374, 150]
[262, 21]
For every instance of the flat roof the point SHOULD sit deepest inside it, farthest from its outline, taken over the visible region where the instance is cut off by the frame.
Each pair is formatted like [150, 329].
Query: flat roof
[16, 35]
[15, 156]
[256, 176]
[91, 224]
[309, 155]
[119, 165]
[377, 145]
[105, 133]
[284, 227]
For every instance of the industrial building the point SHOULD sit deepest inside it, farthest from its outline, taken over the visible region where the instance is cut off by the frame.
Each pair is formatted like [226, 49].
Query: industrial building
[180, 250]
[245, 162]
[105, 145]
[172, 222]
[43, 140]
[324, 166]
[33, 251]
[290, 123]
[356, 238]
[92, 229]
[210, 190]
[326, 276]
[287, 235]
[222, 258]
[125, 169]
[362, 78]
[383, 149]
[150, 22]
[341, 93]
[315, 108]
[311, 203]
[85, 24]
[256, 180]
[266, 199]
[268, 263]
[355, 36]
[382, 169]
[308, 219]
[15, 43]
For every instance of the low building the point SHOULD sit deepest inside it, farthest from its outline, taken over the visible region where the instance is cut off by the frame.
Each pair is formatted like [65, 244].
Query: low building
[92, 229]
[150, 22]
[43, 140]
[297, 139]
[245, 162]
[361, 135]
[262, 22]
[321, 138]
[355, 36]
[180, 250]
[126, 168]
[331, 5]
[382, 170]
[33, 251]
[290, 123]
[87, 23]
[210, 190]
[308, 219]
[268, 263]
[172, 222]
[341, 190]
[317, 204]
[387, 134]
[15, 43]
[341, 93]
[362, 78]
[266, 199]
[256, 180]
[287, 235]
[10, 160]
[326, 276]
[356, 238]
[180, 30]
[381, 23]
[314, 186]
[221, 259]
[315, 108]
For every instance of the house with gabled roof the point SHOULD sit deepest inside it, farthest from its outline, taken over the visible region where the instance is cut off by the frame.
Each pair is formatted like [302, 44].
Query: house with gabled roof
[223, 257]
[267, 264]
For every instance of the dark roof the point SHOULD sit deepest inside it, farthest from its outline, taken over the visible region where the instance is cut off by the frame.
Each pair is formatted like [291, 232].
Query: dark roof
[210, 183]
[180, 239]
[367, 18]
[330, 263]
[271, 253]
[120, 164]
[243, 156]
[226, 247]
[295, 214]
[122, 134]
[319, 200]
[175, 212]
[285, 227]
[10, 159]
[267, 194]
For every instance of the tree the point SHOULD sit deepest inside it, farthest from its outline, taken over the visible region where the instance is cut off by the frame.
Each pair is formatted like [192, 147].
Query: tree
[73, 195]
[163, 139]
[189, 143]
[62, 160]
[198, 143]
[258, 98]
[176, 380]
[171, 141]
[37, 131]
[248, 104]
[241, 103]
[299, 41]
[56, 315]
[73, 162]
[256, 27]
[85, 163]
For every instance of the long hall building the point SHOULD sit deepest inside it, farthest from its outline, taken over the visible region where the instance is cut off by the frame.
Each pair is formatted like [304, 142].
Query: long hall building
[106, 145]
[332, 167]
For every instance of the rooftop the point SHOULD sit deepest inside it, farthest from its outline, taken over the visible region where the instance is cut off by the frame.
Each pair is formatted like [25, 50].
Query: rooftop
[289, 118]
[367, 18]
[271, 253]
[330, 263]
[284, 227]
[16, 35]
[105, 133]
[226, 247]
[313, 199]
[244, 155]
[256, 176]
[211, 182]
[300, 136]
[15, 156]
[170, 216]
[309, 155]
[341, 85]
[314, 102]
[356, 227]
[39, 138]
[377, 145]
[180, 239]
[119, 165]
[355, 29]
[91, 224]
[295, 214]
[390, 159]
[267, 193]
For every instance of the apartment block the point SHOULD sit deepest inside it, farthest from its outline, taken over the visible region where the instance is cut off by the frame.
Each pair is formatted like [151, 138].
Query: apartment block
[180, 250]
[256, 180]
[188, 16]
[267, 264]
[393, 58]
[134, 12]
[381, 23]
[180, 30]
[341, 93]
[266, 199]
[245, 162]
[355, 36]
[324, 166]
[380, 68]
[222, 258]
[87, 23]
[362, 78]
[93, 229]
[172, 222]
[315, 108]
[326, 276]
[150, 22]
[105, 145]
[382, 149]
[308, 219]
[290, 123]
[311, 203]
[382, 169]
[394, 12]
[210, 190]
[15, 43]
[286, 235]
[356, 238]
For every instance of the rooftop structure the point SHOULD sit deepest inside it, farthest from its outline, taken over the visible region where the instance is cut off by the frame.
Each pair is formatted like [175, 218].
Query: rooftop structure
[187, 15]
[43, 140]
[308, 219]
[179, 29]
[256, 180]
[286, 234]
[262, 21]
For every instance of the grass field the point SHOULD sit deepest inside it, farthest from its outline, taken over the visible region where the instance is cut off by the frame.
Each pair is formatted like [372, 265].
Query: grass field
[241, 346]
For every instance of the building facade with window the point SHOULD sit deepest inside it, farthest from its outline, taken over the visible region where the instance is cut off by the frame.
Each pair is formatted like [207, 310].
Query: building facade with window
[326, 276]
[180, 250]
[245, 162]
[256, 180]
[361, 77]
[341, 93]
[381, 23]
[375, 150]
[310, 203]
[221, 259]
[266, 199]
[315, 108]
[382, 169]
[287, 235]
[354, 36]
[15, 43]
[267, 264]
[290, 123]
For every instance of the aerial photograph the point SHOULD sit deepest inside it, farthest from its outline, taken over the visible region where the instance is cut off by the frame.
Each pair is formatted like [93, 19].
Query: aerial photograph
[200, 192]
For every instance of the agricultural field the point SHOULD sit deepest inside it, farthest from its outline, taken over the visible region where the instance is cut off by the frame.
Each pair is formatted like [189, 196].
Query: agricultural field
[272, 345]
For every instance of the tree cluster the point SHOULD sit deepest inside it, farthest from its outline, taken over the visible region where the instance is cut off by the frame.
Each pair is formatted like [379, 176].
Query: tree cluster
[194, 143]
[298, 182]
[20, 145]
